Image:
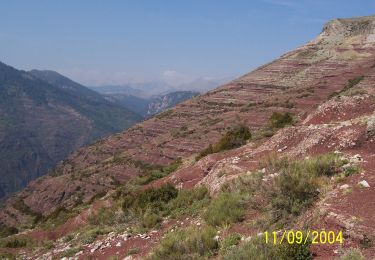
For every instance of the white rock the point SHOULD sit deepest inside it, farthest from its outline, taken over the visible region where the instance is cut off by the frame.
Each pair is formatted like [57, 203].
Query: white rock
[364, 184]
[344, 187]
[118, 244]
[96, 247]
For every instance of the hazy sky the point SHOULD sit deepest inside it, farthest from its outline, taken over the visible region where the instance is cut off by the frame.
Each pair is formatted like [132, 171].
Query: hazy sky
[116, 41]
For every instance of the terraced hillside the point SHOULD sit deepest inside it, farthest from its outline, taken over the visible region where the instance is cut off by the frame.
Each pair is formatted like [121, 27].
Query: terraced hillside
[322, 92]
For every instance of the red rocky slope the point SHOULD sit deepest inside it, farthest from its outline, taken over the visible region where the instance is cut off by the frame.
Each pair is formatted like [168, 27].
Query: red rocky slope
[297, 82]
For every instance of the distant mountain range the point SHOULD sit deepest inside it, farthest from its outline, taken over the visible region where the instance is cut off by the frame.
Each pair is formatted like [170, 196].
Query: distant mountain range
[147, 107]
[44, 116]
[149, 98]
[158, 88]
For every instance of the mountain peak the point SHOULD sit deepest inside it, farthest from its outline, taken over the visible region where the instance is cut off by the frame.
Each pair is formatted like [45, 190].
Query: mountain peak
[349, 27]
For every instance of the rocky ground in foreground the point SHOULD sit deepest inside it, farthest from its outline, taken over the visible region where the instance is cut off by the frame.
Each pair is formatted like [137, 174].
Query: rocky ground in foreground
[158, 190]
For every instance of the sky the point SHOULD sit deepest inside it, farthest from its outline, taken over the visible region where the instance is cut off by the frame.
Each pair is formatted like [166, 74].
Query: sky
[100, 42]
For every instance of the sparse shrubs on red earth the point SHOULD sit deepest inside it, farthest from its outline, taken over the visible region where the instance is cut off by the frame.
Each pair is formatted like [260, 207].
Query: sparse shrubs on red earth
[231, 139]
[190, 243]
[153, 204]
[349, 85]
[256, 248]
[280, 120]
[153, 173]
[225, 209]
[297, 184]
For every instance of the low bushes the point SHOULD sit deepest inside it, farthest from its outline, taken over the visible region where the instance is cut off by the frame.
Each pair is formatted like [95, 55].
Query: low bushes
[90, 235]
[225, 209]
[352, 254]
[296, 186]
[155, 197]
[232, 139]
[7, 231]
[292, 192]
[152, 204]
[348, 86]
[258, 249]
[280, 120]
[150, 175]
[228, 242]
[15, 242]
[189, 202]
[191, 243]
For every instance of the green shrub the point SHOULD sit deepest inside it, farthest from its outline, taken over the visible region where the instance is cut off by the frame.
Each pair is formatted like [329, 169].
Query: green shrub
[254, 249]
[231, 139]
[104, 216]
[351, 170]
[153, 197]
[150, 218]
[293, 191]
[192, 243]
[58, 217]
[296, 187]
[258, 249]
[158, 173]
[189, 201]
[279, 120]
[205, 152]
[98, 195]
[7, 256]
[156, 196]
[352, 82]
[14, 242]
[149, 205]
[295, 251]
[91, 234]
[7, 231]
[225, 209]
[322, 165]
[352, 254]
[228, 242]
[366, 241]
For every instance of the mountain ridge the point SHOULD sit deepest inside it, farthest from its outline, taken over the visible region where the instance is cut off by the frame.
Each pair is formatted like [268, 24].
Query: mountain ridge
[42, 123]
